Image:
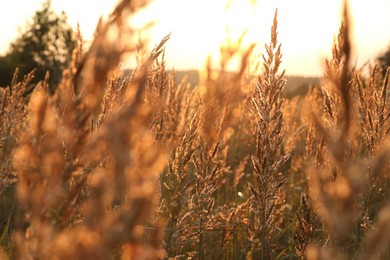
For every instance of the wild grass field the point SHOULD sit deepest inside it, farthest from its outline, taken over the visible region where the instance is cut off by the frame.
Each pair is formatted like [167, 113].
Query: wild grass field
[141, 166]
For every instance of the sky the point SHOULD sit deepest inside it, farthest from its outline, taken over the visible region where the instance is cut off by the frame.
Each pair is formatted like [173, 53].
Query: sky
[306, 27]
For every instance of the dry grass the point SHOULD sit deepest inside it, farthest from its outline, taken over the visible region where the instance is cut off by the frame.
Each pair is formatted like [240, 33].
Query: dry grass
[142, 167]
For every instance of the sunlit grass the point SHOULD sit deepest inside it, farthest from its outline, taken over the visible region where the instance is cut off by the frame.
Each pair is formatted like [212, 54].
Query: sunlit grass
[142, 166]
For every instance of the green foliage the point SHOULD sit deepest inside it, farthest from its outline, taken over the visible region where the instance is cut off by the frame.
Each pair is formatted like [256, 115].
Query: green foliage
[45, 44]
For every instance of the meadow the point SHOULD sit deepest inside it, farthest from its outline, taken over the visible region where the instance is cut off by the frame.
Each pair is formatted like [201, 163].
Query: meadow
[141, 166]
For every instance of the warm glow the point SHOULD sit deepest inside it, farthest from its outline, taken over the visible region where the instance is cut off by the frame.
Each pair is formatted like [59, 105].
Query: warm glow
[306, 28]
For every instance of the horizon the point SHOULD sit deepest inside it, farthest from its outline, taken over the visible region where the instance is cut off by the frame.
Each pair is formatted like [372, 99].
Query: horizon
[306, 29]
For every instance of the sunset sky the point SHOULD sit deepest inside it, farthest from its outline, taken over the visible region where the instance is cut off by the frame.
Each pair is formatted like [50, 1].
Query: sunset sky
[306, 27]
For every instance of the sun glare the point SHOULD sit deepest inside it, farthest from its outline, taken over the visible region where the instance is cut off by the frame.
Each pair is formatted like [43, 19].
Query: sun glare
[200, 27]
[306, 29]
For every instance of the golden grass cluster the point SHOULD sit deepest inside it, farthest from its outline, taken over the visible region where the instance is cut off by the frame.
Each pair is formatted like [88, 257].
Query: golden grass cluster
[143, 167]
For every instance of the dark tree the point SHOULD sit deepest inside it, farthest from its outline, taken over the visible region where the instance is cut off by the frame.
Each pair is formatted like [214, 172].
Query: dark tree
[45, 44]
[384, 60]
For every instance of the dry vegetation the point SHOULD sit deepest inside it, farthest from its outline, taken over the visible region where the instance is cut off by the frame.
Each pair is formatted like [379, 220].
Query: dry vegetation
[142, 167]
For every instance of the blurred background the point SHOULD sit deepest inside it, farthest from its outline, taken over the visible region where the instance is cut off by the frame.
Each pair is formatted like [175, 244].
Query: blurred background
[306, 28]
